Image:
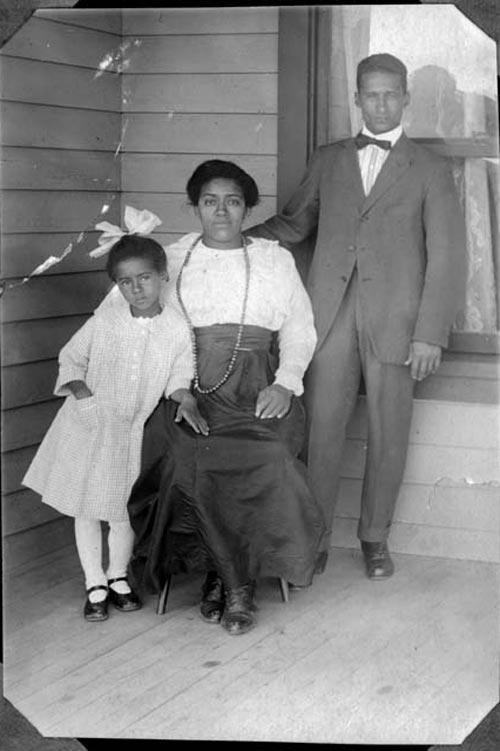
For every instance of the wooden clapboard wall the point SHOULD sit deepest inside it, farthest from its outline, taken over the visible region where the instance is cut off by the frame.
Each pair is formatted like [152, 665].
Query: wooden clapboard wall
[196, 84]
[202, 83]
[61, 125]
[448, 504]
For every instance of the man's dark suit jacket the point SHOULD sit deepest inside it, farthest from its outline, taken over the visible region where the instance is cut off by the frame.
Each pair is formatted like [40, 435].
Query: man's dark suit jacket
[407, 238]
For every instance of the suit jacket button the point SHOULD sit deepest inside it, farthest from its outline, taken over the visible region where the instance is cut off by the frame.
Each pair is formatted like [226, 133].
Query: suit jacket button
[351, 247]
[344, 278]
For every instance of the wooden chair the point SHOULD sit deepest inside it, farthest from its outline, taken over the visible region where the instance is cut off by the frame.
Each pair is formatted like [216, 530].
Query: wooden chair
[163, 596]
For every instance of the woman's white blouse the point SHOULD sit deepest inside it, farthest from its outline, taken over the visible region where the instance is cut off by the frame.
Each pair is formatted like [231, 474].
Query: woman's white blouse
[213, 286]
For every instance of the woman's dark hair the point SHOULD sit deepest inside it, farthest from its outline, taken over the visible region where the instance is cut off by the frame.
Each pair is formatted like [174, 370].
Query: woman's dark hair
[218, 168]
[135, 246]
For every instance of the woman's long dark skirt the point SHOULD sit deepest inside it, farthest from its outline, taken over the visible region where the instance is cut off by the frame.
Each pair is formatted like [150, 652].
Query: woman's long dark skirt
[236, 501]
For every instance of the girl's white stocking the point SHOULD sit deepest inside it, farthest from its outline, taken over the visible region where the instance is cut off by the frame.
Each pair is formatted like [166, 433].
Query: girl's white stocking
[121, 543]
[88, 538]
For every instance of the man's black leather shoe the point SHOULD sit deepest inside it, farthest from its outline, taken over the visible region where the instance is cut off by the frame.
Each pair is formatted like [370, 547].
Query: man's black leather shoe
[378, 562]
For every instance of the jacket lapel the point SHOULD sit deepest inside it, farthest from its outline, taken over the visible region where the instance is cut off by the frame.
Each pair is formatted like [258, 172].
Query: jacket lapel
[399, 160]
[351, 174]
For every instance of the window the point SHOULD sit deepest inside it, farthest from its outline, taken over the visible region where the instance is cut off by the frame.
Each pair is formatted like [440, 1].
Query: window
[452, 80]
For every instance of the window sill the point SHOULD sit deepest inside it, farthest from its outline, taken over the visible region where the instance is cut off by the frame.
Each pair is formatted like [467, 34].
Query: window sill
[470, 377]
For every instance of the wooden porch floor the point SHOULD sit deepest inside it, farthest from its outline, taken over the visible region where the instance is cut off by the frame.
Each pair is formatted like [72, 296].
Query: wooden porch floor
[410, 660]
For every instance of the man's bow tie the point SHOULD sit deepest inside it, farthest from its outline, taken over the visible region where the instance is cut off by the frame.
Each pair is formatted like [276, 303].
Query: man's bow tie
[362, 140]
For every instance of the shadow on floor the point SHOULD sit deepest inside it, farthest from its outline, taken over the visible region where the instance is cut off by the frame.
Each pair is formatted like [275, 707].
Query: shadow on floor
[17, 734]
[486, 737]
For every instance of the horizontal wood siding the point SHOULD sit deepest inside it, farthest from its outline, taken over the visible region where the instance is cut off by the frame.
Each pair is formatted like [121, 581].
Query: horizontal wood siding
[209, 53]
[50, 211]
[28, 383]
[27, 425]
[108, 21]
[22, 505]
[143, 172]
[201, 84]
[468, 377]
[45, 169]
[61, 127]
[24, 251]
[187, 92]
[15, 464]
[43, 40]
[449, 501]
[38, 540]
[199, 133]
[58, 85]
[26, 341]
[200, 21]
[55, 296]
[39, 126]
[196, 85]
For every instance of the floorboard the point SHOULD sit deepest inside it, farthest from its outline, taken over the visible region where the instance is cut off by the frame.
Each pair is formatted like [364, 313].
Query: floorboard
[409, 660]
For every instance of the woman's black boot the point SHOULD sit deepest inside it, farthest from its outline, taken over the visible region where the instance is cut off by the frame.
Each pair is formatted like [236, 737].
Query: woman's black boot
[239, 610]
[212, 598]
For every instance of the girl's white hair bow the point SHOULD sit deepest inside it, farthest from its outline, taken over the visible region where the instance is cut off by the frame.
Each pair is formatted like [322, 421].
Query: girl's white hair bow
[137, 222]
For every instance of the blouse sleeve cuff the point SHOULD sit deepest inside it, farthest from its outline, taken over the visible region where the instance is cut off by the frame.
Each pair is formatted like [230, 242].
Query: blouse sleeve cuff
[66, 375]
[289, 381]
[177, 383]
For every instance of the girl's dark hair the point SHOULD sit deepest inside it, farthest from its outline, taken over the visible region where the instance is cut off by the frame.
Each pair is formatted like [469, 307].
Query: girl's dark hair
[135, 246]
[216, 168]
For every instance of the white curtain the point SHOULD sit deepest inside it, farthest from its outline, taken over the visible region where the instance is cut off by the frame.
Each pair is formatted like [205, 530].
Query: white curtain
[438, 109]
[350, 42]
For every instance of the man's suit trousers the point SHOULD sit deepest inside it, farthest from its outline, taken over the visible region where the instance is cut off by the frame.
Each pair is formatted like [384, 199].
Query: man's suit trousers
[331, 392]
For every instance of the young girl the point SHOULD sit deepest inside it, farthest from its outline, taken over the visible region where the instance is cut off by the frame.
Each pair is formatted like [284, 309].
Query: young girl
[113, 372]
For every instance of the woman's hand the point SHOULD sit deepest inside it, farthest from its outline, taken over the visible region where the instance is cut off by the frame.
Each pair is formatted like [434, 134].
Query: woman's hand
[273, 401]
[188, 411]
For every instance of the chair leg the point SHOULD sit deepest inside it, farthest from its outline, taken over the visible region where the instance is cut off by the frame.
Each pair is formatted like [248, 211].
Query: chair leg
[162, 599]
[284, 589]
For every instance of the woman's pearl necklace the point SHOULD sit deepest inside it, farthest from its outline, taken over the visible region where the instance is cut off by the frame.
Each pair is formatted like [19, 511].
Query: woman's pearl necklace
[239, 335]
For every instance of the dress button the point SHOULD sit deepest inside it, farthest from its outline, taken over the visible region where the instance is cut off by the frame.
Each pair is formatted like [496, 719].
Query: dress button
[351, 247]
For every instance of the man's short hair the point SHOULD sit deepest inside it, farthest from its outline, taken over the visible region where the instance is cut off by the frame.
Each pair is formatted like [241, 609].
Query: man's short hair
[382, 62]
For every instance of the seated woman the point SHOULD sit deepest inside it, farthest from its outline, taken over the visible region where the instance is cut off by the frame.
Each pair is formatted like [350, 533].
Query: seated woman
[234, 503]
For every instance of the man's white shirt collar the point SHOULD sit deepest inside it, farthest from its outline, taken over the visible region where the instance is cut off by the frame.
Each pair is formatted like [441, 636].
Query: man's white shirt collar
[390, 135]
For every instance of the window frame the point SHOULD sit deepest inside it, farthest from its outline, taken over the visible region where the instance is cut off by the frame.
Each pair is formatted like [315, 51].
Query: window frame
[304, 44]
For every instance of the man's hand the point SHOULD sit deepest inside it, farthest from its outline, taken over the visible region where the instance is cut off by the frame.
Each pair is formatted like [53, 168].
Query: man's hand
[188, 411]
[424, 359]
[273, 401]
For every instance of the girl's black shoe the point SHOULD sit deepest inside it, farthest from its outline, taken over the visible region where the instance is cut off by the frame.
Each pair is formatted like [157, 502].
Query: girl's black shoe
[124, 603]
[96, 611]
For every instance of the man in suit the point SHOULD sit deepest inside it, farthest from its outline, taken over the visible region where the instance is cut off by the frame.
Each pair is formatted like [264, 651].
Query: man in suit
[386, 280]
